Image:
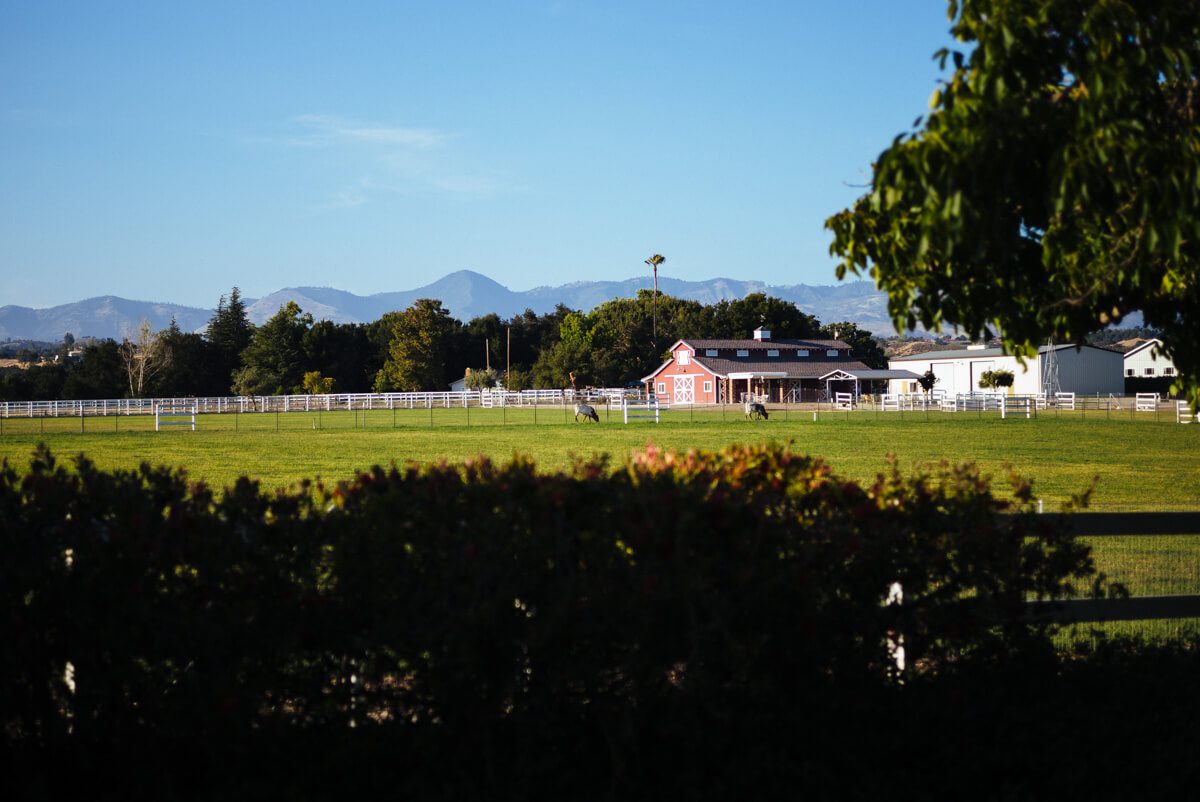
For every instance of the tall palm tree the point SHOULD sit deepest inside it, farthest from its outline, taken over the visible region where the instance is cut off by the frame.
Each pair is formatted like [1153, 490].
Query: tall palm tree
[654, 261]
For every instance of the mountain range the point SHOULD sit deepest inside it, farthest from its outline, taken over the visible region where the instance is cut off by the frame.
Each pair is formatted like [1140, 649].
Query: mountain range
[465, 293]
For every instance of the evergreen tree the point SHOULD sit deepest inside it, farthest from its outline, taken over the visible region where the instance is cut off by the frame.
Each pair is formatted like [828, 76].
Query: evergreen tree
[229, 332]
[272, 363]
[343, 352]
[194, 369]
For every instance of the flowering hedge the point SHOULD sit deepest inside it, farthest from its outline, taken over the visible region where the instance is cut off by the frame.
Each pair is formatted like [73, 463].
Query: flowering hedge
[547, 625]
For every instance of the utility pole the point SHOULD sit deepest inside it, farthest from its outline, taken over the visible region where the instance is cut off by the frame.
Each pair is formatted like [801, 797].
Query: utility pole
[654, 261]
[507, 357]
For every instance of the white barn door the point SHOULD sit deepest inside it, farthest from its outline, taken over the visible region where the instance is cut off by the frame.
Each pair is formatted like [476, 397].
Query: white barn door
[685, 389]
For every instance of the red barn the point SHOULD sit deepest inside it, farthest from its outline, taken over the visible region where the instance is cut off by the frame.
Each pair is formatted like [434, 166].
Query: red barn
[724, 371]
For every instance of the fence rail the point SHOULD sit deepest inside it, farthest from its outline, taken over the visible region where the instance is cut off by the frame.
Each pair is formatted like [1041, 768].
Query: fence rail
[309, 403]
[1133, 608]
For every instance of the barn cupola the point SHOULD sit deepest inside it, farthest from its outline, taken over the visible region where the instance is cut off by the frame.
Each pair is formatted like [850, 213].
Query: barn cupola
[762, 335]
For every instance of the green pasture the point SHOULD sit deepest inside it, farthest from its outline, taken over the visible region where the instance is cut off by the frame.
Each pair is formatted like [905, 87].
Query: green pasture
[1140, 464]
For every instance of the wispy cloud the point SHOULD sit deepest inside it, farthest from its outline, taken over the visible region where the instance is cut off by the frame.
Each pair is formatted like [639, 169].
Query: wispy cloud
[393, 160]
[348, 197]
[331, 130]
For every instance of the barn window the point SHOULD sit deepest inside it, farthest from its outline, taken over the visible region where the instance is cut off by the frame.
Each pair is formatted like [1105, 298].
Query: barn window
[743, 352]
[802, 353]
[708, 387]
[710, 351]
[662, 387]
[683, 357]
[1168, 371]
[1130, 372]
[831, 352]
[772, 352]
[1149, 371]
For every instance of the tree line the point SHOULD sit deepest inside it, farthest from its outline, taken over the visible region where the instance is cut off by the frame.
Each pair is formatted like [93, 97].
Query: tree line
[422, 347]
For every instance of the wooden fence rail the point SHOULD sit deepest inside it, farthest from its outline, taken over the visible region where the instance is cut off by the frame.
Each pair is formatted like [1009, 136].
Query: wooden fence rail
[1135, 608]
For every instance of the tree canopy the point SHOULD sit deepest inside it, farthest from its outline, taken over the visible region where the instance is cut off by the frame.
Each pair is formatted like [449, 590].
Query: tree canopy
[229, 333]
[1055, 185]
[272, 363]
[420, 342]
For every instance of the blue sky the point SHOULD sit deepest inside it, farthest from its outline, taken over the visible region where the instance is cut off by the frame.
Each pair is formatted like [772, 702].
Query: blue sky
[170, 150]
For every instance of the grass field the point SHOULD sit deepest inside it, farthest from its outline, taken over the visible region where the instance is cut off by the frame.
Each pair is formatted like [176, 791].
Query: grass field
[1140, 464]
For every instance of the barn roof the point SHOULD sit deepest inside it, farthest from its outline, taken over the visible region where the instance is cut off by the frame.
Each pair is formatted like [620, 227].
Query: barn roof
[1137, 349]
[766, 344]
[871, 374]
[976, 353]
[809, 369]
[956, 353]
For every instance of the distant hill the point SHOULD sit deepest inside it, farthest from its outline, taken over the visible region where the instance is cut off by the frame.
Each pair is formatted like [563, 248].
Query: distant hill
[107, 316]
[468, 294]
[465, 293]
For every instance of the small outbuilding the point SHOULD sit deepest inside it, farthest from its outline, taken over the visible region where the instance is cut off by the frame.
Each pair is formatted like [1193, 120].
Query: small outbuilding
[1085, 370]
[1148, 369]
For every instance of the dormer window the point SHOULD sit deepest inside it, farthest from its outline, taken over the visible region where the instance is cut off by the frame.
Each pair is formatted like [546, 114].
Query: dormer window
[683, 357]
[743, 352]
[710, 351]
[802, 353]
[772, 352]
[831, 352]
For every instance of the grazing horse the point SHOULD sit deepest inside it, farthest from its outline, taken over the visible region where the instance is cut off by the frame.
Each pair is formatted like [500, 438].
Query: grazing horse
[587, 412]
[756, 410]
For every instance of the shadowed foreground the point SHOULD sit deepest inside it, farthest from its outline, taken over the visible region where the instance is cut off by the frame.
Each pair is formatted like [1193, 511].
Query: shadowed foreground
[706, 626]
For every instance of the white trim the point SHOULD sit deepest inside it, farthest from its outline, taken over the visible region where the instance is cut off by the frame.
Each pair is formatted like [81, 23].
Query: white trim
[1139, 348]
[759, 374]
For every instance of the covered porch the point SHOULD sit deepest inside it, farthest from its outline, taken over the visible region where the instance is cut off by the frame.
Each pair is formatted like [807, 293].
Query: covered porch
[757, 385]
[863, 382]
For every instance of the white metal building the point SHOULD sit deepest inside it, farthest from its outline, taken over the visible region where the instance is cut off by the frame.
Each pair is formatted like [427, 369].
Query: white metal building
[1147, 361]
[1085, 370]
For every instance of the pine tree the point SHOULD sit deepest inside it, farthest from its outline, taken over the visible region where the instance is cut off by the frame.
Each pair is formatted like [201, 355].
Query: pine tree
[273, 362]
[229, 331]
